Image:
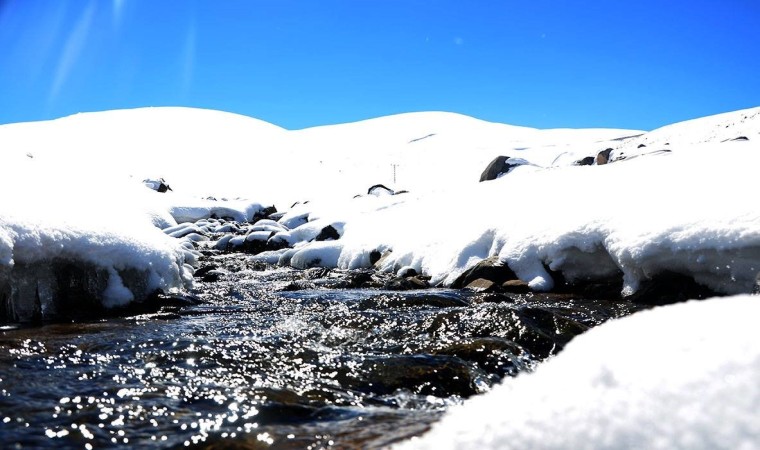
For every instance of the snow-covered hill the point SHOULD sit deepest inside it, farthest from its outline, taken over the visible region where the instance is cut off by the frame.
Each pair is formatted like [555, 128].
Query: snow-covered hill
[203, 152]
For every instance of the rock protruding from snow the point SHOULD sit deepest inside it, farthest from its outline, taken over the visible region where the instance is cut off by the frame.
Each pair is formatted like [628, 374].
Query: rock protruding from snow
[501, 165]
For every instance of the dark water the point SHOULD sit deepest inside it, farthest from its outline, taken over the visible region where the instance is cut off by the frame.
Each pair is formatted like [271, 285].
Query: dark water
[259, 366]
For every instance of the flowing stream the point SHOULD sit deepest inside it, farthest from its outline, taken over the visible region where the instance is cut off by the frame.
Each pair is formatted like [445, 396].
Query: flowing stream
[275, 358]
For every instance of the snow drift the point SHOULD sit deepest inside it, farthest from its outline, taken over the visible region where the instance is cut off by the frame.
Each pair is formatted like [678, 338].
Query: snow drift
[81, 241]
[678, 377]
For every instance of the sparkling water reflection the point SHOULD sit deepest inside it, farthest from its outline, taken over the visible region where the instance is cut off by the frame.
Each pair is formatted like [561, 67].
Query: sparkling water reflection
[262, 368]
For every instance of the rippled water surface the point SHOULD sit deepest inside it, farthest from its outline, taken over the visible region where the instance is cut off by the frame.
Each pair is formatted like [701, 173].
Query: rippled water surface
[259, 365]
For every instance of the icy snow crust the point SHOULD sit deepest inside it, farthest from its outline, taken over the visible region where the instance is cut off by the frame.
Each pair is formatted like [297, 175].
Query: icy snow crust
[678, 377]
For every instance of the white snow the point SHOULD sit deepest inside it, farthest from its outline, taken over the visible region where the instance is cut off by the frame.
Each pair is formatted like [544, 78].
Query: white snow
[678, 377]
[48, 214]
[690, 210]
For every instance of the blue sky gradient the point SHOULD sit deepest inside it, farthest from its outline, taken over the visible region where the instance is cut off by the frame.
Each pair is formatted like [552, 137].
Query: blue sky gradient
[637, 64]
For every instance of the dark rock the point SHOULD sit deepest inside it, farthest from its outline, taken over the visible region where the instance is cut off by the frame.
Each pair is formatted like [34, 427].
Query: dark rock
[379, 189]
[158, 185]
[740, 138]
[277, 215]
[407, 272]
[441, 376]
[405, 284]
[515, 287]
[328, 233]
[374, 257]
[314, 273]
[587, 161]
[275, 243]
[212, 276]
[603, 157]
[491, 297]
[204, 270]
[561, 329]
[426, 299]
[264, 213]
[501, 165]
[481, 285]
[256, 242]
[641, 146]
[492, 354]
[161, 299]
[669, 287]
[756, 288]
[490, 269]
[494, 168]
[607, 289]
[360, 278]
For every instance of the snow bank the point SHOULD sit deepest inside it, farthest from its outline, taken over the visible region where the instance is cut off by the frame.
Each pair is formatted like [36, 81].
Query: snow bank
[105, 230]
[202, 152]
[689, 380]
[691, 211]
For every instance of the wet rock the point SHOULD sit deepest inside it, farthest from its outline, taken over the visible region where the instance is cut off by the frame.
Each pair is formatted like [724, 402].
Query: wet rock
[756, 288]
[491, 297]
[561, 328]
[162, 299]
[493, 355]
[256, 242]
[670, 287]
[434, 300]
[540, 332]
[609, 288]
[199, 273]
[489, 269]
[481, 285]
[406, 283]
[440, 376]
[515, 287]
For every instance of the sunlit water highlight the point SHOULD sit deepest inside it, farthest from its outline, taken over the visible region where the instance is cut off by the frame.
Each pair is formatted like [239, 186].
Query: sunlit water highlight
[260, 367]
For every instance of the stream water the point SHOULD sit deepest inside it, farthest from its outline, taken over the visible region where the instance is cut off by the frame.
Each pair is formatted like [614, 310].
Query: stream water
[263, 364]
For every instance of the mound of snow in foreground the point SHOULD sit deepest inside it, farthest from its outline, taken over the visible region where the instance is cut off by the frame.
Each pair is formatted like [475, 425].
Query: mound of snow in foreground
[684, 376]
[108, 231]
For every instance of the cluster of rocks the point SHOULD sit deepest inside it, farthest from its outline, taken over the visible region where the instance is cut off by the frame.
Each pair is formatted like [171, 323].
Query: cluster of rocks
[502, 165]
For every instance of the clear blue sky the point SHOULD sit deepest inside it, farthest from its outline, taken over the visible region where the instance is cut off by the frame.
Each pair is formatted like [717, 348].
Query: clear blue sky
[543, 63]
